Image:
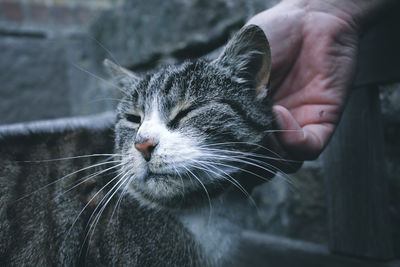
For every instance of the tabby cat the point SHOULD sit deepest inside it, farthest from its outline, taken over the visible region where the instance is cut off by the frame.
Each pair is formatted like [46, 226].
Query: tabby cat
[188, 140]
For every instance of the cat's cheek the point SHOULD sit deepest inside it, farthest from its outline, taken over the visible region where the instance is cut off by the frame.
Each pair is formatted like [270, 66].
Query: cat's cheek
[135, 165]
[124, 137]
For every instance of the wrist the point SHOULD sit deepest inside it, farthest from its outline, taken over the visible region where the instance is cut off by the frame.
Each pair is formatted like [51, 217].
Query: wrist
[359, 14]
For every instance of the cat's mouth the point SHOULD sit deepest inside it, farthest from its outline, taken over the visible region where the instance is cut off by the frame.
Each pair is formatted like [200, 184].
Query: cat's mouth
[169, 189]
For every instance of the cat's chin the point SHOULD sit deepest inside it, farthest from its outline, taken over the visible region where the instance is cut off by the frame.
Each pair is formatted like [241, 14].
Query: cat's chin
[172, 193]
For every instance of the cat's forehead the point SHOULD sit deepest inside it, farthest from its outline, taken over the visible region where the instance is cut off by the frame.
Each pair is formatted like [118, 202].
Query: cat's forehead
[188, 81]
[178, 87]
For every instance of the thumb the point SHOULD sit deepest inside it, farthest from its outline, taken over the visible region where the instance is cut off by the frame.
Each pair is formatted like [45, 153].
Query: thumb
[289, 131]
[300, 143]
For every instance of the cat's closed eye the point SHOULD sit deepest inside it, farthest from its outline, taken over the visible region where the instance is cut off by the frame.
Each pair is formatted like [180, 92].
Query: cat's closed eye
[133, 118]
[178, 117]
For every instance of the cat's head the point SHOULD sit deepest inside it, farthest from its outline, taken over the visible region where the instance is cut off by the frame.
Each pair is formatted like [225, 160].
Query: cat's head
[187, 132]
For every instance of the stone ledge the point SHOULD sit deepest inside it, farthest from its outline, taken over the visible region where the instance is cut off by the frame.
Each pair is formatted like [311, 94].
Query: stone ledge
[96, 122]
[258, 249]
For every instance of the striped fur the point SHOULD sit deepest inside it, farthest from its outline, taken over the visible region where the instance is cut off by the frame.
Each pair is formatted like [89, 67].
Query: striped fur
[179, 207]
[36, 226]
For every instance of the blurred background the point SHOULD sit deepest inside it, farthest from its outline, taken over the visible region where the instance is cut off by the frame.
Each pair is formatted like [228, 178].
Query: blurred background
[51, 66]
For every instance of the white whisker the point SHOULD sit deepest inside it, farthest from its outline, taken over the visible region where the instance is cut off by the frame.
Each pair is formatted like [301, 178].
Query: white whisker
[86, 178]
[207, 164]
[66, 176]
[87, 204]
[252, 154]
[255, 163]
[105, 49]
[69, 158]
[97, 77]
[206, 191]
[124, 190]
[100, 212]
[91, 221]
[180, 177]
[278, 158]
[243, 157]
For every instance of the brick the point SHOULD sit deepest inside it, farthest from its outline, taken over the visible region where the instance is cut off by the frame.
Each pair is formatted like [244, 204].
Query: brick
[101, 4]
[60, 2]
[40, 12]
[83, 15]
[12, 11]
[63, 15]
[43, 2]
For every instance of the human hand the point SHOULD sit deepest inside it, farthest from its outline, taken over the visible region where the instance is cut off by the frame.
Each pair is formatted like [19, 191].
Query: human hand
[313, 62]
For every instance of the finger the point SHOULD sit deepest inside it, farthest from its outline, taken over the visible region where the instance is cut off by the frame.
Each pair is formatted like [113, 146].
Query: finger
[315, 114]
[301, 143]
[290, 131]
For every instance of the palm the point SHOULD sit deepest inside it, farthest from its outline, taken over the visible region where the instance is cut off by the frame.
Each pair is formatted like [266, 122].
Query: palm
[313, 58]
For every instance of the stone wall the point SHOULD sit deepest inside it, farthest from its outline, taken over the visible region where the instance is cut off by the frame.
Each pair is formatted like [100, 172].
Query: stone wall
[45, 49]
[390, 104]
[54, 13]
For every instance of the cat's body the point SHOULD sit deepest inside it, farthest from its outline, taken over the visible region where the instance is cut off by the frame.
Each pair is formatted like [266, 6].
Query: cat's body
[185, 139]
[37, 230]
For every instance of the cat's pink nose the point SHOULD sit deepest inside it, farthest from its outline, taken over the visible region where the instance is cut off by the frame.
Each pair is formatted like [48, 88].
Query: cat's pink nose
[146, 148]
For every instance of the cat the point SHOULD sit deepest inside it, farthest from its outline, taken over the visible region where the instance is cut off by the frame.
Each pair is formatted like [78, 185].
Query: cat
[189, 139]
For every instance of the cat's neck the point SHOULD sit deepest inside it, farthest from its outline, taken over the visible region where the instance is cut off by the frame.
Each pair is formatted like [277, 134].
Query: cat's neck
[217, 226]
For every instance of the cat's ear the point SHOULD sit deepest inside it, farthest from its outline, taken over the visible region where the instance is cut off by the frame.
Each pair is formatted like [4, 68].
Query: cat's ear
[248, 56]
[122, 76]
